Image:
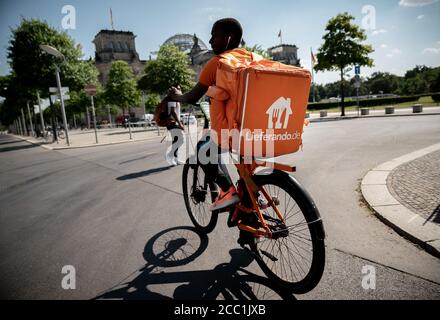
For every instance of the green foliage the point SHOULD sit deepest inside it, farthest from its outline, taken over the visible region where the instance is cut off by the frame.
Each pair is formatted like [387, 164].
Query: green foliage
[259, 50]
[364, 103]
[171, 67]
[33, 70]
[436, 97]
[151, 102]
[121, 89]
[343, 47]
[420, 80]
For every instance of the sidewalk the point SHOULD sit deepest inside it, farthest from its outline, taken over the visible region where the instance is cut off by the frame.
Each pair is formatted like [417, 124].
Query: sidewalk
[428, 110]
[405, 194]
[86, 138]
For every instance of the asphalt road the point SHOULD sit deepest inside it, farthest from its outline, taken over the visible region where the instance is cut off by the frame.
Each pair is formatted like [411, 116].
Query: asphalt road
[116, 214]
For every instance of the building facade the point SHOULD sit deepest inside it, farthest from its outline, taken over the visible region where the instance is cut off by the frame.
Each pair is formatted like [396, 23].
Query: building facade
[195, 48]
[285, 53]
[113, 45]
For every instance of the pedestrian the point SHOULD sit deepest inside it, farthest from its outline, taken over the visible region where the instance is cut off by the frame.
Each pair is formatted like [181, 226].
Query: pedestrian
[175, 128]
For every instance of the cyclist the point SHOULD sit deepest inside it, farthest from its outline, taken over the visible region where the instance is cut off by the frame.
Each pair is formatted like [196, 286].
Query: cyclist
[226, 35]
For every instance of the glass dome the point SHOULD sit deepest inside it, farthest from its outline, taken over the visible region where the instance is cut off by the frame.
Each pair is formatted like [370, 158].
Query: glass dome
[185, 42]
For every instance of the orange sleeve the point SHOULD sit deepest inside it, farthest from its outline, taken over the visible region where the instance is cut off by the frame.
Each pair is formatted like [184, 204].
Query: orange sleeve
[209, 71]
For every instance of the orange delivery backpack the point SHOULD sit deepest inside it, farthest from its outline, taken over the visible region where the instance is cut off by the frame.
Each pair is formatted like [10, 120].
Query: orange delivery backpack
[263, 100]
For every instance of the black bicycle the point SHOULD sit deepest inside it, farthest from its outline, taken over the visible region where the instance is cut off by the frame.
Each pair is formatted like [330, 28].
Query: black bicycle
[278, 220]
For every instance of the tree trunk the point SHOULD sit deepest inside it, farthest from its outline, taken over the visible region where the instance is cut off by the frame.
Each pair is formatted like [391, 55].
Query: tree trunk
[342, 93]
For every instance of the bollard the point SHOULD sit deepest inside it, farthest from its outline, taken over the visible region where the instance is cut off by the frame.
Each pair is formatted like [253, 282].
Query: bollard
[417, 108]
[389, 110]
[365, 111]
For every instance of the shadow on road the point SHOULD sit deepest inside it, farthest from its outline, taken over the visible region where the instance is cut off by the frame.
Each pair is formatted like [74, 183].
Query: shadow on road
[135, 159]
[21, 146]
[435, 215]
[9, 142]
[180, 246]
[142, 173]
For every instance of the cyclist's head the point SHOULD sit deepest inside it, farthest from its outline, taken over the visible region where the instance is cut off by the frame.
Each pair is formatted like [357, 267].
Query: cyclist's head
[225, 35]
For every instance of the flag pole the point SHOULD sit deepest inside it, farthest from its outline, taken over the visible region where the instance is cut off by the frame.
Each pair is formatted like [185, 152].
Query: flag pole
[111, 19]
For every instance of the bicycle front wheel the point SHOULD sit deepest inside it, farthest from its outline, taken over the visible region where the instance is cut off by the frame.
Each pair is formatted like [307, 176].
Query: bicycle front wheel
[199, 193]
[295, 255]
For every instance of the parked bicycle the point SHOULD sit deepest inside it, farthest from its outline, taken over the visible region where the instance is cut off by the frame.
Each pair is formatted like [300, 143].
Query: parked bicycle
[48, 134]
[278, 220]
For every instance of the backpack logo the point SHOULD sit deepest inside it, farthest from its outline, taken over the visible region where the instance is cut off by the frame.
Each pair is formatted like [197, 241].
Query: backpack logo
[276, 111]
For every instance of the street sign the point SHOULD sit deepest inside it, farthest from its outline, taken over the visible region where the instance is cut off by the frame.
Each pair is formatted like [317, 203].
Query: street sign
[357, 69]
[44, 103]
[357, 81]
[56, 97]
[37, 108]
[55, 90]
[90, 90]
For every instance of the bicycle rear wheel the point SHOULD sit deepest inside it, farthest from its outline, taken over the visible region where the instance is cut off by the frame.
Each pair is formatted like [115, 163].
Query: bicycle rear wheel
[295, 255]
[199, 194]
[61, 134]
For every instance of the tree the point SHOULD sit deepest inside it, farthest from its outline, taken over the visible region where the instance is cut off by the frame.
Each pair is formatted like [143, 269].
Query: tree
[34, 70]
[259, 50]
[170, 68]
[121, 89]
[343, 48]
[383, 81]
[153, 99]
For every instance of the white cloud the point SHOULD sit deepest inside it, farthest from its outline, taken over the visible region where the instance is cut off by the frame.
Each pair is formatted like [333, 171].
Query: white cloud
[394, 52]
[420, 17]
[383, 46]
[378, 31]
[431, 51]
[416, 3]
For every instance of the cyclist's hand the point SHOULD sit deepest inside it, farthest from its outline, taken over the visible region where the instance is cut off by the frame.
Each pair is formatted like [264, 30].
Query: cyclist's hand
[174, 92]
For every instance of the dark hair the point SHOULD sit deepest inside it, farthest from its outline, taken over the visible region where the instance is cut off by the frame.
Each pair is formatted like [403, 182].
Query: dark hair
[230, 26]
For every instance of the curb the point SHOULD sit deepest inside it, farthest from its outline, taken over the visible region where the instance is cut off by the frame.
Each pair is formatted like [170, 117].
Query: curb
[324, 119]
[389, 210]
[47, 147]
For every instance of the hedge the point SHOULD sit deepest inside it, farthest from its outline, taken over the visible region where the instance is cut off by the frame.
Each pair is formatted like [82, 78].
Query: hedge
[364, 103]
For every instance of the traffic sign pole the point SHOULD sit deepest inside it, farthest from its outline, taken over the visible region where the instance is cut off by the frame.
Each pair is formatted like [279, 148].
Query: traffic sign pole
[41, 114]
[63, 111]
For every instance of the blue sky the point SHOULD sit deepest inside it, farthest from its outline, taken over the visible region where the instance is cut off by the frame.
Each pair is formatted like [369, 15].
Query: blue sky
[405, 32]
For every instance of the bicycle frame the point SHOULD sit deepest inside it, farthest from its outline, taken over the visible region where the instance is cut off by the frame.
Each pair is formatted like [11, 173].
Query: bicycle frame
[246, 171]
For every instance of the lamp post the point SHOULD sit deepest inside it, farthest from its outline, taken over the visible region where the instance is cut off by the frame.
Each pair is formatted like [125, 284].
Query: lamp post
[54, 52]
